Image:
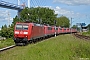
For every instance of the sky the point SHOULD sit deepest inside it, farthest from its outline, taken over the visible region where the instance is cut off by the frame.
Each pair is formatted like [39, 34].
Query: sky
[78, 10]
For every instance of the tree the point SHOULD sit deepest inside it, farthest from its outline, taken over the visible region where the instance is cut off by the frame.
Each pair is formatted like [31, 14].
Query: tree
[88, 27]
[63, 21]
[16, 19]
[39, 15]
[24, 14]
[74, 26]
[6, 32]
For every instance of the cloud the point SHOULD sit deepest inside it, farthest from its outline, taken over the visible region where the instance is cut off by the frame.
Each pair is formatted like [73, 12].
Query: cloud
[73, 2]
[77, 17]
[4, 15]
[67, 13]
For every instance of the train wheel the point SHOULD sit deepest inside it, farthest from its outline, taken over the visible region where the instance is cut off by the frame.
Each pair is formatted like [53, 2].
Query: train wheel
[30, 41]
[24, 44]
[16, 44]
[34, 41]
[20, 44]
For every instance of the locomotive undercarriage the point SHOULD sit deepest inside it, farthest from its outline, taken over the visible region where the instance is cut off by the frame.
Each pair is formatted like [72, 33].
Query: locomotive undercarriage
[21, 41]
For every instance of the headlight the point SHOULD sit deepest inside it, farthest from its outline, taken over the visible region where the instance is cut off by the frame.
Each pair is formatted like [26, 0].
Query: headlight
[16, 32]
[25, 32]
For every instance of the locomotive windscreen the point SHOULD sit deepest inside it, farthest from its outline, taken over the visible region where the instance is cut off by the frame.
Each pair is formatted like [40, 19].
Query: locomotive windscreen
[21, 27]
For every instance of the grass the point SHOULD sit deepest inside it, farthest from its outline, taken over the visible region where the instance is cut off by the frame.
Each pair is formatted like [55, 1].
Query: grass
[63, 47]
[6, 42]
[86, 33]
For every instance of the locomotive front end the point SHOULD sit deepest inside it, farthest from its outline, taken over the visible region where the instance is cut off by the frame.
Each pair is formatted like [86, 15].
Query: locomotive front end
[21, 33]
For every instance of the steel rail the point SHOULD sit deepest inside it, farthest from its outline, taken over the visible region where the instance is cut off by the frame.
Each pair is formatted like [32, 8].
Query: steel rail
[82, 36]
[6, 48]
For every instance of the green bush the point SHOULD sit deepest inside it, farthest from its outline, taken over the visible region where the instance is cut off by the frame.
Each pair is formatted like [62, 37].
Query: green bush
[7, 32]
[7, 42]
[86, 33]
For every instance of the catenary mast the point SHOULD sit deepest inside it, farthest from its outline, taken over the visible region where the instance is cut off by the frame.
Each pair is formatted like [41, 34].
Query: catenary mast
[28, 3]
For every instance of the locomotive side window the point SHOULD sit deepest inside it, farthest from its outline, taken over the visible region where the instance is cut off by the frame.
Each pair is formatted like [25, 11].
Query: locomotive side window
[49, 28]
[21, 27]
[56, 29]
[64, 29]
[25, 27]
[60, 28]
[18, 26]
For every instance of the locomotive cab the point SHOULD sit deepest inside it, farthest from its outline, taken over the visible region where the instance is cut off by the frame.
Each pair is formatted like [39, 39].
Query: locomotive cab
[21, 32]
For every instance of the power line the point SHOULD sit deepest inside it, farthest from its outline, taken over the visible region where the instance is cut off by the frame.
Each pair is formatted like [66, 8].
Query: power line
[32, 5]
[23, 2]
[36, 3]
[44, 2]
[41, 3]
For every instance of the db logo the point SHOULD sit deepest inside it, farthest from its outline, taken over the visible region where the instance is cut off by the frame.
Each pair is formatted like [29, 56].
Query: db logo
[21, 32]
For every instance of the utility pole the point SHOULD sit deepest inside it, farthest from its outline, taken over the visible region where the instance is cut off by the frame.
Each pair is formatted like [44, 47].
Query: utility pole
[18, 2]
[55, 26]
[8, 18]
[28, 3]
[71, 25]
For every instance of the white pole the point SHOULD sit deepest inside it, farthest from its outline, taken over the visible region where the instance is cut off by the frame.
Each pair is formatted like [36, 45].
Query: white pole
[18, 2]
[55, 31]
[28, 3]
[71, 25]
[55, 27]
[8, 18]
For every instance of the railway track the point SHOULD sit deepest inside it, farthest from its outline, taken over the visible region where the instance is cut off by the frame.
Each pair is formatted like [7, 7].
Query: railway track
[6, 48]
[82, 36]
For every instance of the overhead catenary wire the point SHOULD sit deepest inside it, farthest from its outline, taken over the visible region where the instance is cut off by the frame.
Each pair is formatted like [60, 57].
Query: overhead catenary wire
[33, 3]
[41, 3]
[23, 2]
[36, 3]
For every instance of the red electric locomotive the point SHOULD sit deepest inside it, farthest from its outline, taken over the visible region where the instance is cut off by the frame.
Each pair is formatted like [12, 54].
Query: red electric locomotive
[25, 32]
[48, 31]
